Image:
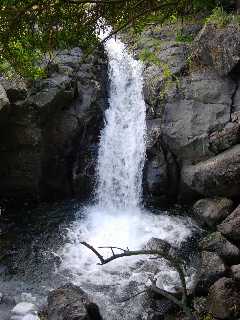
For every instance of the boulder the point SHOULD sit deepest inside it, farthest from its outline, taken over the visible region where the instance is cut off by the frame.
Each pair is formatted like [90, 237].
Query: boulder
[158, 244]
[201, 105]
[212, 269]
[230, 227]
[224, 299]
[224, 139]
[217, 243]
[210, 212]
[71, 303]
[236, 272]
[218, 47]
[217, 176]
[16, 89]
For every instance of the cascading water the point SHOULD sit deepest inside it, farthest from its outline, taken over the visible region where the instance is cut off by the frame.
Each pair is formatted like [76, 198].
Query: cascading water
[122, 146]
[117, 219]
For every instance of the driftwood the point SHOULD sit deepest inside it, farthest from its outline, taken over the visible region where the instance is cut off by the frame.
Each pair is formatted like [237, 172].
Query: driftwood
[174, 261]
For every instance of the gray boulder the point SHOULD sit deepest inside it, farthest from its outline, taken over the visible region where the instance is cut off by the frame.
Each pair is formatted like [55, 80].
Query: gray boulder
[224, 299]
[212, 269]
[69, 302]
[224, 139]
[217, 176]
[202, 105]
[210, 212]
[230, 227]
[158, 244]
[217, 243]
[218, 47]
[16, 89]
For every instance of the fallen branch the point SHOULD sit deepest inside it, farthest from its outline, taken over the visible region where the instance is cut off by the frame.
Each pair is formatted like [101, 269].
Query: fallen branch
[174, 261]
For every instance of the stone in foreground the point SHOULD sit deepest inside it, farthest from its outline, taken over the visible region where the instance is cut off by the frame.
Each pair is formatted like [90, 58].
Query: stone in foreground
[209, 212]
[230, 227]
[217, 243]
[224, 299]
[71, 303]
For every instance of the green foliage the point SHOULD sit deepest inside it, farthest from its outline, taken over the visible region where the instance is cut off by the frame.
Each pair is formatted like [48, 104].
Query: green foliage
[148, 56]
[185, 38]
[207, 317]
[30, 28]
[219, 17]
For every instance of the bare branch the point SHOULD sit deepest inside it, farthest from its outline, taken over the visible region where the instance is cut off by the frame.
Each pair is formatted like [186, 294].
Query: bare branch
[174, 261]
[121, 249]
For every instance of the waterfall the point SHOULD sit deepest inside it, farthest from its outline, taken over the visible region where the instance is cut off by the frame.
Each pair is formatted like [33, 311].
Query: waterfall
[122, 145]
[116, 218]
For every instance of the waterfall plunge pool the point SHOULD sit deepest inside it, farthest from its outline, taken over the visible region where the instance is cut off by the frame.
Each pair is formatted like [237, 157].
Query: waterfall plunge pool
[42, 251]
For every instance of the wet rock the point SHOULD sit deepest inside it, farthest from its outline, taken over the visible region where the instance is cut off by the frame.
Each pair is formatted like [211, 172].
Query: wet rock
[158, 244]
[217, 176]
[70, 302]
[224, 299]
[218, 47]
[236, 271]
[160, 176]
[230, 227]
[217, 243]
[212, 269]
[153, 132]
[160, 171]
[210, 212]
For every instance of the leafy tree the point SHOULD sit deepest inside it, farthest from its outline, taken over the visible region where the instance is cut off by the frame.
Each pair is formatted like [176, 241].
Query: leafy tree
[30, 28]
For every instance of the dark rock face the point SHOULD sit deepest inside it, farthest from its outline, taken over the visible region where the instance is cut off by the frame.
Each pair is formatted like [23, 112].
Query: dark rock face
[160, 172]
[210, 212]
[70, 302]
[230, 227]
[224, 299]
[49, 133]
[196, 109]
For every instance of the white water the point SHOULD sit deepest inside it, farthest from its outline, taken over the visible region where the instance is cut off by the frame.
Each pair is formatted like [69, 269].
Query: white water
[118, 219]
[122, 147]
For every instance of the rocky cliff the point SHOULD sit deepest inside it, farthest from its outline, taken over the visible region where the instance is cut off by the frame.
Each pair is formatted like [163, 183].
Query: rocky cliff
[49, 130]
[193, 97]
